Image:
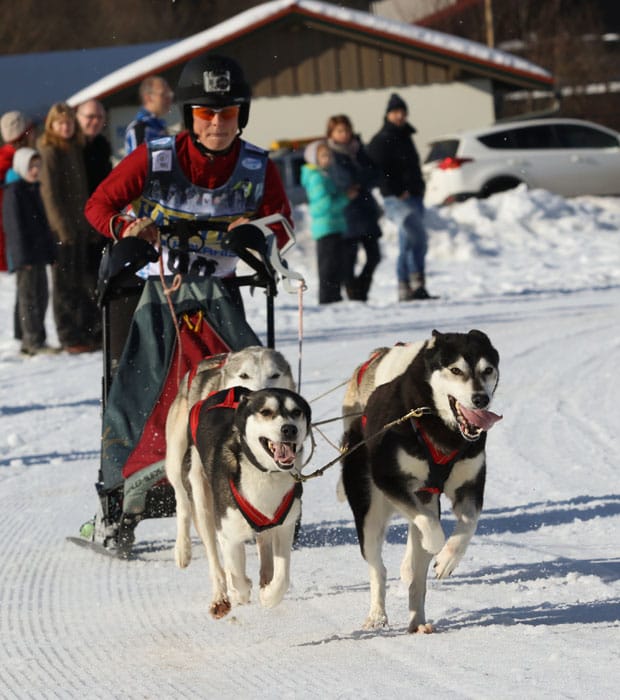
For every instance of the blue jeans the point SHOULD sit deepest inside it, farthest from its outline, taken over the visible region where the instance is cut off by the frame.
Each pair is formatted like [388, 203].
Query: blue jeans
[408, 215]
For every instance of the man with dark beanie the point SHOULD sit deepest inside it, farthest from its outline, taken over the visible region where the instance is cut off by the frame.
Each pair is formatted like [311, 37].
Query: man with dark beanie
[394, 153]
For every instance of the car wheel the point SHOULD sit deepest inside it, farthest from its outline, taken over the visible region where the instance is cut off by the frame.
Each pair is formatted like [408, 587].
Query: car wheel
[499, 184]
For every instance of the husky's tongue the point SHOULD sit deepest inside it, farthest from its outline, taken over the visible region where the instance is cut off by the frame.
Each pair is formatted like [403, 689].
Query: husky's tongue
[282, 452]
[479, 417]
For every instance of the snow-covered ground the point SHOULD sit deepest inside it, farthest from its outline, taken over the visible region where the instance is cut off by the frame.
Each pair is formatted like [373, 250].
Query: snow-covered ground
[532, 611]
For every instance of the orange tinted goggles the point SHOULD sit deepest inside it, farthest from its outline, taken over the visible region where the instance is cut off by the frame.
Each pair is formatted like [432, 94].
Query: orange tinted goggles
[208, 114]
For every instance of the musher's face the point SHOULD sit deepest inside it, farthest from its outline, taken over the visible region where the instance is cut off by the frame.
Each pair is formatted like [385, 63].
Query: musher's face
[216, 129]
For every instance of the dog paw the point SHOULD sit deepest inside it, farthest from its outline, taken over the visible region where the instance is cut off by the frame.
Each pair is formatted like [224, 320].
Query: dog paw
[375, 621]
[220, 608]
[416, 628]
[446, 561]
[183, 554]
[271, 595]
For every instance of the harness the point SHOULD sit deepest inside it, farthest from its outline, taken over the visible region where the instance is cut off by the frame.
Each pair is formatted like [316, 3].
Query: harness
[374, 356]
[364, 368]
[439, 464]
[257, 520]
[229, 398]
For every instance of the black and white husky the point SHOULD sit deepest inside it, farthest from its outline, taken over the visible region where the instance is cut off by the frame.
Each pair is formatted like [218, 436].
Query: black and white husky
[254, 367]
[403, 469]
[248, 446]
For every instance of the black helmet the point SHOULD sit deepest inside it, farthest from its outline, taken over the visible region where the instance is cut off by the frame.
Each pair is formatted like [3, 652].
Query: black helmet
[213, 81]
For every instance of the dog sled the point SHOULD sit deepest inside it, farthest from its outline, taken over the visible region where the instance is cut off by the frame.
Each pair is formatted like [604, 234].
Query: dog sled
[153, 334]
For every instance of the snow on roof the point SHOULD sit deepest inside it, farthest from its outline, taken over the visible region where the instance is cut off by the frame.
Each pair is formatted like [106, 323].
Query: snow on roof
[263, 14]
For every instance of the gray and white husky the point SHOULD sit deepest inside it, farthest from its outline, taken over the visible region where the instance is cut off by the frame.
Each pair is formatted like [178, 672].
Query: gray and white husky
[248, 446]
[404, 469]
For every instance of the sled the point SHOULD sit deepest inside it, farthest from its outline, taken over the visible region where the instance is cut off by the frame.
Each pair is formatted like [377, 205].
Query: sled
[143, 327]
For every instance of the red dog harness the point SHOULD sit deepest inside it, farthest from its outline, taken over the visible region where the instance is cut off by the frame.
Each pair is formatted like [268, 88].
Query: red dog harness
[439, 464]
[257, 520]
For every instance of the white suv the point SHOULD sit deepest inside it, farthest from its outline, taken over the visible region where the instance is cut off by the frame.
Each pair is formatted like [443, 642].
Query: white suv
[567, 156]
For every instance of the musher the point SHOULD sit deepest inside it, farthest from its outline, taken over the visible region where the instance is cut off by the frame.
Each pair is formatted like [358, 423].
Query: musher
[206, 171]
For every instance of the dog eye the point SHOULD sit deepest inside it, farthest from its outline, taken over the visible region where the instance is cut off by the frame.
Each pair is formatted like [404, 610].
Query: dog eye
[456, 371]
[296, 413]
[266, 413]
[488, 370]
[244, 375]
[275, 376]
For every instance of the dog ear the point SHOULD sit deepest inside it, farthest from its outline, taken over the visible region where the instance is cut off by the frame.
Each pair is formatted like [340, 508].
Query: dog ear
[436, 334]
[475, 333]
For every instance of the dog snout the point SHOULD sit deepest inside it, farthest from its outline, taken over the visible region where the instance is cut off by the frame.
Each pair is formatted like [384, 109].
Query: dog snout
[480, 399]
[289, 432]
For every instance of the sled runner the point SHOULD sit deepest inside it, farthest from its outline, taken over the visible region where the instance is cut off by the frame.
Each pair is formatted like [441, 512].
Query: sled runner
[151, 337]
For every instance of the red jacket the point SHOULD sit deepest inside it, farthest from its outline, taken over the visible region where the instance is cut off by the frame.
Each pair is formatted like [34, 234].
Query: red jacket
[126, 182]
[6, 161]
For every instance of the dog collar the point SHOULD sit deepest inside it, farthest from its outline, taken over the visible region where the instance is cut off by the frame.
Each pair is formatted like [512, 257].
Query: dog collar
[259, 521]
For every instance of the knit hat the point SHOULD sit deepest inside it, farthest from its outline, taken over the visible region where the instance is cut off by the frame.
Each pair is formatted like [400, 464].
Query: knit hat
[311, 150]
[21, 160]
[12, 126]
[396, 102]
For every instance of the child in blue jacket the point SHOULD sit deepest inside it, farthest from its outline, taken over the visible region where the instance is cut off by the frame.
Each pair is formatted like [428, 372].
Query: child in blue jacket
[326, 204]
[30, 247]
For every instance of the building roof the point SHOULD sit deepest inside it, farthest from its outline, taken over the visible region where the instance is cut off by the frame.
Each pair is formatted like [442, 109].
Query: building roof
[32, 82]
[474, 56]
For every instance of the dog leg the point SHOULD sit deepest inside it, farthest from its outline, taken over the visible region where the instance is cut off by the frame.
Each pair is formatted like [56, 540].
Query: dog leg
[176, 447]
[265, 557]
[234, 563]
[420, 560]
[424, 517]
[431, 531]
[375, 524]
[204, 521]
[406, 565]
[467, 514]
[282, 539]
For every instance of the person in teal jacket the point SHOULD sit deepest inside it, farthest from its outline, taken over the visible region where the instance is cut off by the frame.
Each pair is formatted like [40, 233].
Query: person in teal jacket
[326, 205]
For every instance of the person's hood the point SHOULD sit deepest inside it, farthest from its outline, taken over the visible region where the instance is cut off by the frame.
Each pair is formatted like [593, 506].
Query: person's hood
[21, 161]
[311, 150]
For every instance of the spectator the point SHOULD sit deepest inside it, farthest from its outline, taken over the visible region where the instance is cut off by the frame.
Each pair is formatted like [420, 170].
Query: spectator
[30, 247]
[156, 98]
[353, 171]
[64, 191]
[16, 132]
[97, 148]
[98, 162]
[326, 204]
[392, 149]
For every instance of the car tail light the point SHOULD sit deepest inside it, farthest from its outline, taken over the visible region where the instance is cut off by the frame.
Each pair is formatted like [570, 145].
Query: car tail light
[450, 163]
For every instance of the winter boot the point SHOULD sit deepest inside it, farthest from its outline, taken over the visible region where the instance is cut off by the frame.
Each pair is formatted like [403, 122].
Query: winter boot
[405, 292]
[355, 289]
[418, 290]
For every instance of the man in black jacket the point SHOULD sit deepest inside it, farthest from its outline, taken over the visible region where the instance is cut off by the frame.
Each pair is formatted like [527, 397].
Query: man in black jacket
[393, 151]
[98, 160]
